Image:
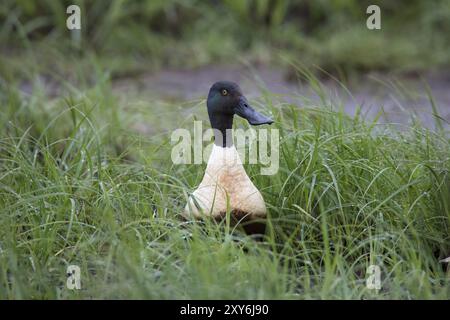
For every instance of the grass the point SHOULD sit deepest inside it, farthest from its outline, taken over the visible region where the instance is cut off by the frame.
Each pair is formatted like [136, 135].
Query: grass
[79, 185]
[192, 33]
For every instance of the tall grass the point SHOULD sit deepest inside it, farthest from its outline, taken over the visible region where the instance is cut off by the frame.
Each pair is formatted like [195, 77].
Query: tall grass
[190, 33]
[79, 186]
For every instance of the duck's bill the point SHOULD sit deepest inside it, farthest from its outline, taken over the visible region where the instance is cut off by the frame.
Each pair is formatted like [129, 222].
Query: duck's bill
[244, 110]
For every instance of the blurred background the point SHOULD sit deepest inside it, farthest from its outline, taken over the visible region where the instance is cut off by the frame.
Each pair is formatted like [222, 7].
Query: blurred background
[175, 49]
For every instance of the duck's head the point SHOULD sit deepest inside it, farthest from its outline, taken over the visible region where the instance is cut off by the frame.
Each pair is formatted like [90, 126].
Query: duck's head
[225, 99]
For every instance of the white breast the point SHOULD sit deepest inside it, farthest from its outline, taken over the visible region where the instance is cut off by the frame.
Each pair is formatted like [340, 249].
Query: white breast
[225, 179]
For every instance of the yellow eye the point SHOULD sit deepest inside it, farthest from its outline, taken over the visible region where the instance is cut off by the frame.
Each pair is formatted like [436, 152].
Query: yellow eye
[224, 92]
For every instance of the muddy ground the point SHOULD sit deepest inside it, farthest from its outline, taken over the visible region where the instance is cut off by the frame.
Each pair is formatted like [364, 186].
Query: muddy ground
[396, 97]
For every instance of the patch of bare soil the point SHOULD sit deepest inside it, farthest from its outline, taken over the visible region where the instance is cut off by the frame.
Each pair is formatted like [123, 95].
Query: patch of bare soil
[395, 98]
[374, 93]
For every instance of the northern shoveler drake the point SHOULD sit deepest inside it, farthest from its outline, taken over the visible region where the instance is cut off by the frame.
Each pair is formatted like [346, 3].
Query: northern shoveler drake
[225, 183]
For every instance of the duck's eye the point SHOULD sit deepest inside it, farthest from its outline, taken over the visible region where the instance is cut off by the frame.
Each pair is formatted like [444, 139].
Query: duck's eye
[224, 92]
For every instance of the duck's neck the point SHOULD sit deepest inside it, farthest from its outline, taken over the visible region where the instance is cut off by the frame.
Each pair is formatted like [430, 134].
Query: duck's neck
[222, 123]
[222, 159]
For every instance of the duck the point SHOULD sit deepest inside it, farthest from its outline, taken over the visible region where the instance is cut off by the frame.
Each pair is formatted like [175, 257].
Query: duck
[225, 186]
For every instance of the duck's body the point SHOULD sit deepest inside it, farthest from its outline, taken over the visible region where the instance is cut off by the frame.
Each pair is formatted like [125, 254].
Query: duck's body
[225, 181]
[226, 186]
